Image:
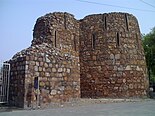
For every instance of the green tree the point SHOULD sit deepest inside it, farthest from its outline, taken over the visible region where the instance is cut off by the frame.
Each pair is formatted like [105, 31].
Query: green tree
[149, 49]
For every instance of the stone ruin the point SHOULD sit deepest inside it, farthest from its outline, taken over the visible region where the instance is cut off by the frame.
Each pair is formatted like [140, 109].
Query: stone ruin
[99, 56]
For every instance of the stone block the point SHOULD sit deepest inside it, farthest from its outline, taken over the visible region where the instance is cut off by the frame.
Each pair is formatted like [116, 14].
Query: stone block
[128, 68]
[131, 86]
[60, 69]
[68, 70]
[54, 70]
[36, 68]
[53, 92]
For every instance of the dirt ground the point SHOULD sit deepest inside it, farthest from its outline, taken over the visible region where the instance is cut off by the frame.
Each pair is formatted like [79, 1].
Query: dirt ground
[92, 107]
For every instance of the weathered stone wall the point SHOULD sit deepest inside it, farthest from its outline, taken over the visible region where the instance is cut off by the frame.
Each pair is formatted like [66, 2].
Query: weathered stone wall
[98, 56]
[17, 82]
[59, 29]
[54, 59]
[111, 57]
[58, 75]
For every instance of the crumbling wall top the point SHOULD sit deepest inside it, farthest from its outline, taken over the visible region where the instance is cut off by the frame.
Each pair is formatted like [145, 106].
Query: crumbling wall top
[48, 25]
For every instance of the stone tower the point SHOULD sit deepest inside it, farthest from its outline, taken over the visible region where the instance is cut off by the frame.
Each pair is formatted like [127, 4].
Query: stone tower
[112, 59]
[53, 59]
[95, 57]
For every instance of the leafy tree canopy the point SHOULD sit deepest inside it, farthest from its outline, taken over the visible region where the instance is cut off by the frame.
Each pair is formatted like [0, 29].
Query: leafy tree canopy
[149, 48]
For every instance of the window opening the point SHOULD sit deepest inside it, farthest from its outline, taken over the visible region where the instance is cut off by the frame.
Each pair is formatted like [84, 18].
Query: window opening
[93, 41]
[137, 40]
[117, 39]
[74, 40]
[126, 21]
[55, 39]
[65, 21]
[105, 22]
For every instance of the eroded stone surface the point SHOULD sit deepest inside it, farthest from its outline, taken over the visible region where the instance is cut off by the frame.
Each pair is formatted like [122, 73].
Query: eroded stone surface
[111, 53]
[98, 56]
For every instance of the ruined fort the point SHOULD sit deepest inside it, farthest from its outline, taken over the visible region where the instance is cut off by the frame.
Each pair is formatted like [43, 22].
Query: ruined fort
[99, 56]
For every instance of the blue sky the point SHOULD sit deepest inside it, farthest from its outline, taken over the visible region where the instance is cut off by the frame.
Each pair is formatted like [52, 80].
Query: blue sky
[17, 17]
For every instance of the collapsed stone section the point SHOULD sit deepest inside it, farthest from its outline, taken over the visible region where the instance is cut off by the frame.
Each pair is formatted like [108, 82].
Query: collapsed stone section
[95, 57]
